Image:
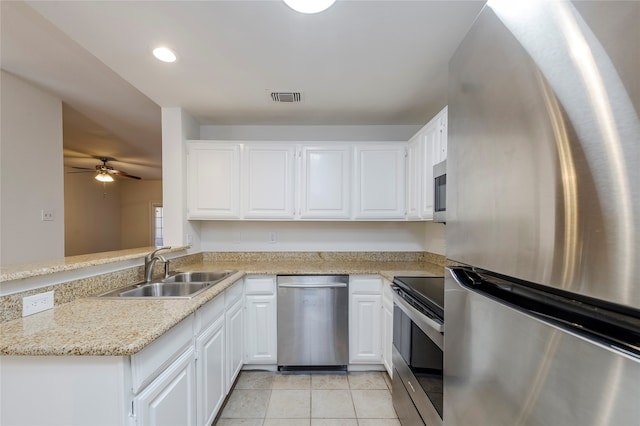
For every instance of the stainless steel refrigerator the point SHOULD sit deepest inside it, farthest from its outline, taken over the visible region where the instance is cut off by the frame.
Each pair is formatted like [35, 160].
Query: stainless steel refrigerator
[543, 214]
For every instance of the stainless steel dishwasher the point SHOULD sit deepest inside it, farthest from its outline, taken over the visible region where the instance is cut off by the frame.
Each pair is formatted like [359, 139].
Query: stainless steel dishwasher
[313, 321]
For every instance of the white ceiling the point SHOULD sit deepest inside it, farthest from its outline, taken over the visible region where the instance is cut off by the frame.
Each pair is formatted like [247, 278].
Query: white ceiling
[360, 62]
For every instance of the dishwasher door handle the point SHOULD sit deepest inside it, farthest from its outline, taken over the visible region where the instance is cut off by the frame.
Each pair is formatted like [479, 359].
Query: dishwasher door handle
[332, 285]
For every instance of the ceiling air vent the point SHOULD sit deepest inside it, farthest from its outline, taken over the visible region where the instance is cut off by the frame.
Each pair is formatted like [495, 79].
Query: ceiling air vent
[286, 97]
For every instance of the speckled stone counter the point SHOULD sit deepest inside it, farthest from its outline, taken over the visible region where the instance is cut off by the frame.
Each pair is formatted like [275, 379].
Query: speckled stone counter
[106, 327]
[72, 263]
[93, 326]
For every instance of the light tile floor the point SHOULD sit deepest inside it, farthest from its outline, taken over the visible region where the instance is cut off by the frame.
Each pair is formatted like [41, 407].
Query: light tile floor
[265, 398]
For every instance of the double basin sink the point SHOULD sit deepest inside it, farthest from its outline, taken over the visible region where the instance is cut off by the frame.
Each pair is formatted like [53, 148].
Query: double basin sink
[179, 285]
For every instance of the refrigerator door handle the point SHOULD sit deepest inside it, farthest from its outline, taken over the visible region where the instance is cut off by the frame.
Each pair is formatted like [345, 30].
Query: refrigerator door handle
[615, 329]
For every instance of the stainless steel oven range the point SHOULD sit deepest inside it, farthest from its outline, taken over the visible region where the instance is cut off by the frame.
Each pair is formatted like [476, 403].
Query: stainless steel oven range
[418, 342]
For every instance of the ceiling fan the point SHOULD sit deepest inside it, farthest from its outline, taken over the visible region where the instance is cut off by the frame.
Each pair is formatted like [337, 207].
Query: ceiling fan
[104, 172]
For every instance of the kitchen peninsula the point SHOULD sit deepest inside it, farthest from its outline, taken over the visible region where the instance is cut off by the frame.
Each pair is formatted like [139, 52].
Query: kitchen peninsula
[122, 347]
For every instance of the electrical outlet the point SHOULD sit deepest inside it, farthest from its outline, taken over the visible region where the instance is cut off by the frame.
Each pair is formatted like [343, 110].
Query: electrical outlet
[47, 215]
[273, 237]
[37, 303]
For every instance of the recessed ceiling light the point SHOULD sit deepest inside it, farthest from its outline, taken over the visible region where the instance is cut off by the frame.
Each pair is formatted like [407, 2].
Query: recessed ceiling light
[164, 54]
[309, 6]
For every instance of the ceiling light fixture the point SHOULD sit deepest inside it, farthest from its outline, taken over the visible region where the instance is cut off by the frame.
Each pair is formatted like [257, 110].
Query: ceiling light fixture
[164, 54]
[104, 177]
[309, 6]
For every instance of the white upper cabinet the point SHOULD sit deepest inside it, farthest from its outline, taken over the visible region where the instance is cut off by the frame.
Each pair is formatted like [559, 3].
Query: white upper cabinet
[441, 144]
[427, 148]
[325, 182]
[213, 180]
[268, 181]
[296, 181]
[415, 171]
[380, 181]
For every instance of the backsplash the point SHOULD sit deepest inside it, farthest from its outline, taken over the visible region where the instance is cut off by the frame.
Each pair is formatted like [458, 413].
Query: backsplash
[11, 305]
[314, 256]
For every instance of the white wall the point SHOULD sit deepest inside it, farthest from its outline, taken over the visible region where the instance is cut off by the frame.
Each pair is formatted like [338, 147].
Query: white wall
[317, 236]
[177, 126]
[31, 173]
[310, 133]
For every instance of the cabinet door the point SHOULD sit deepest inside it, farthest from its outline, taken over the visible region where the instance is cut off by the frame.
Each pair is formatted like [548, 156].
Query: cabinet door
[234, 329]
[210, 369]
[213, 182]
[365, 323]
[387, 356]
[387, 327]
[380, 181]
[325, 182]
[268, 176]
[442, 130]
[415, 169]
[170, 399]
[430, 154]
[261, 329]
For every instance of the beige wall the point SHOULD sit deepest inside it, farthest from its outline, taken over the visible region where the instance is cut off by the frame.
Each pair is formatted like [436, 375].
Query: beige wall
[31, 173]
[136, 199]
[105, 217]
[92, 214]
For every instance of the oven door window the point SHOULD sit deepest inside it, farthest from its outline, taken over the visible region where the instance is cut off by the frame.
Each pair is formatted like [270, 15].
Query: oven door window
[426, 365]
[423, 357]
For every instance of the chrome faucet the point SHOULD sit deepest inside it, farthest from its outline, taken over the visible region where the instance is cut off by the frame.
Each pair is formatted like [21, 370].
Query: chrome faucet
[150, 261]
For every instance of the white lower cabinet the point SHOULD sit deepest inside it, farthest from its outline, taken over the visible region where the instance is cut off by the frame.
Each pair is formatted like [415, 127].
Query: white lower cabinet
[387, 326]
[365, 319]
[170, 398]
[210, 361]
[261, 315]
[234, 333]
[182, 378]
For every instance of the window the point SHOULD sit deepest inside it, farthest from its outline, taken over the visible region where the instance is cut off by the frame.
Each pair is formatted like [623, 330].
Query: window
[158, 237]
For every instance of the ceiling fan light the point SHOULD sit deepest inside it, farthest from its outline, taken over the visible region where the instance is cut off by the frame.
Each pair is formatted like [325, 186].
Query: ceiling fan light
[104, 177]
[309, 6]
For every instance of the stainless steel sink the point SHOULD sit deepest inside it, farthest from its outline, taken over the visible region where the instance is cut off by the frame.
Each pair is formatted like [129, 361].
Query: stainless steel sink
[166, 290]
[198, 277]
[180, 285]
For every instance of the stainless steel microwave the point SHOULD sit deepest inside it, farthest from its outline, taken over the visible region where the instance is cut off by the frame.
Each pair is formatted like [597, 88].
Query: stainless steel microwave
[440, 192]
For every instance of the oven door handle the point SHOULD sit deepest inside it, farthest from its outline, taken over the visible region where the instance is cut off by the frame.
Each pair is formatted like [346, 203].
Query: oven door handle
[418, 317]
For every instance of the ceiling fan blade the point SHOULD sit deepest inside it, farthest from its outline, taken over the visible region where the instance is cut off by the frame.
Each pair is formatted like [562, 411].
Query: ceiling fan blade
[81, 168]
[123, 174]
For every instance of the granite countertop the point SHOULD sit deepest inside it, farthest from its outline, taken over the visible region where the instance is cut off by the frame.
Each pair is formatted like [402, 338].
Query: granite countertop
[107, 327]
[72, 263]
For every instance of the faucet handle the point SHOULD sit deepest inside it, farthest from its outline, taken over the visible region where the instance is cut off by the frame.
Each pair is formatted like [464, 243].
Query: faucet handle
[153, 253]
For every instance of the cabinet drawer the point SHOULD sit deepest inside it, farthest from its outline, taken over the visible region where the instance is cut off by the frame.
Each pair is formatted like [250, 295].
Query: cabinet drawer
[260, 285]
[233, 294]
[210, 312]
[366, 284]
[147, 364]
